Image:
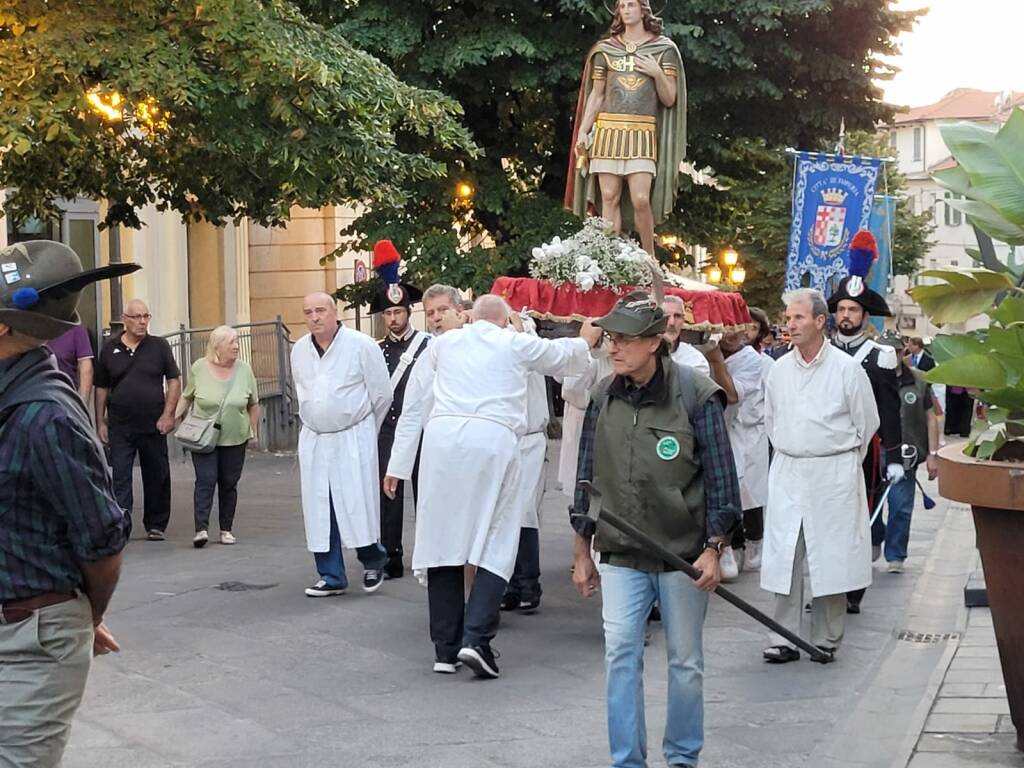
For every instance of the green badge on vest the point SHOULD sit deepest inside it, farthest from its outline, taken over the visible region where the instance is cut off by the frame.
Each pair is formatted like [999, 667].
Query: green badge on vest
[668, 448]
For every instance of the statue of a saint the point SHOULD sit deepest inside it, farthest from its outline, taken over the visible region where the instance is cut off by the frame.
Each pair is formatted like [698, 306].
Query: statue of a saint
[630, 125]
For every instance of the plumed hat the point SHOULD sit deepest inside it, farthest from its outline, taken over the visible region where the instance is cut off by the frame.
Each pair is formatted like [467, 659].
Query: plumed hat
[391, 291]
[40, 282]
[862, 256]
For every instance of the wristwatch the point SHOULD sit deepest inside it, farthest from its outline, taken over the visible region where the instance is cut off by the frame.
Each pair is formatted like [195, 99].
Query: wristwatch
[718, 546]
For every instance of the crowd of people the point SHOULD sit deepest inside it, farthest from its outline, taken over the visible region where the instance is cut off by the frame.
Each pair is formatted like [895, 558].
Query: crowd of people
[723, 453]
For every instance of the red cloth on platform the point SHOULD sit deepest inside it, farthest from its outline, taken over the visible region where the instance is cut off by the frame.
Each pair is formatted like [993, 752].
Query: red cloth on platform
[705, 310]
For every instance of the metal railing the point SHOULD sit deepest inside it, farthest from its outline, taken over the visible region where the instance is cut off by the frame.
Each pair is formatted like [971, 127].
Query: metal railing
[266, 347]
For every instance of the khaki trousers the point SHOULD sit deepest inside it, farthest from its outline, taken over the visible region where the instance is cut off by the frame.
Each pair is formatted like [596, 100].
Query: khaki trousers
[828, 613]
[44, 662]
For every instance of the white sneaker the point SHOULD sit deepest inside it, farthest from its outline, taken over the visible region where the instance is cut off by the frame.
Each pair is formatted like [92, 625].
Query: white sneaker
[323, 589]
[226, 537]
[753, 559]
[727, 563]
[447, 667]
[895, 566]
[741, 559]
[200, 539]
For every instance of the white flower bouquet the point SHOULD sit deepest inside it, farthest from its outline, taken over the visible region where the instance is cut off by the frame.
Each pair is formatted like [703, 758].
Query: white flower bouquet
[594, 256]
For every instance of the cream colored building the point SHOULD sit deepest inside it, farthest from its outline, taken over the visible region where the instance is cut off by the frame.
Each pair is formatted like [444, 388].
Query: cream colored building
[200, 275]
[916, 139]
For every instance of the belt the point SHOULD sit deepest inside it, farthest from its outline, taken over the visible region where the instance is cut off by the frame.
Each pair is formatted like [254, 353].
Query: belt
[14, 611]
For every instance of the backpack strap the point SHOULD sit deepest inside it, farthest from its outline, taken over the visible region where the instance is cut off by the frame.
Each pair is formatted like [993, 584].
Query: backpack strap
[686, 389]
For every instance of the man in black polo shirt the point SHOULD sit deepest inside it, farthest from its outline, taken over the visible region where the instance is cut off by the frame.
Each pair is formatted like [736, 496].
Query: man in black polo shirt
[135, 412]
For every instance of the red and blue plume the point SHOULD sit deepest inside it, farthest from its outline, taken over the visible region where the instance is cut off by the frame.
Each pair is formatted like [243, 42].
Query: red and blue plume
[386, 261]
[863, 254]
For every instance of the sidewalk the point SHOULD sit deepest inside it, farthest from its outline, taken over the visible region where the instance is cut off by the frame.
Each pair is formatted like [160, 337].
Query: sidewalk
[226, 664]
[968, 723]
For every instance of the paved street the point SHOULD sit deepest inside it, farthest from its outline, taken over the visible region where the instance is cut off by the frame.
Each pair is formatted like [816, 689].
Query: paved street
[263, 676]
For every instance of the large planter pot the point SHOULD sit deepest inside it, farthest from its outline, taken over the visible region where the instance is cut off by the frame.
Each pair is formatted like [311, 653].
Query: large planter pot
[995, 491]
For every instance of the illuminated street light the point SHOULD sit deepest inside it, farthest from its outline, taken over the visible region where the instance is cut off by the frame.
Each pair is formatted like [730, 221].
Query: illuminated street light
[464, 190]
[730, 257]
[669, 241]
[106, 104]
[715, 274]
[737, 275]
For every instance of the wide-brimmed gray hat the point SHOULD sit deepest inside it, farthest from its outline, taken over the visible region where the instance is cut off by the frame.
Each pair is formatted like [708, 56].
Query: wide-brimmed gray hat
[636, 314]
[40, 282]
[891, 339]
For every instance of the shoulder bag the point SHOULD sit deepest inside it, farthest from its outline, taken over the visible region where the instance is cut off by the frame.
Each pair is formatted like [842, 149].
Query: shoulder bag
[199, 434]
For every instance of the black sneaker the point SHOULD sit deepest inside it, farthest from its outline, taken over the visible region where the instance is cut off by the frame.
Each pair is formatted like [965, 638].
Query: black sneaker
[373, 578]
[323, 589]
[529, 606]
[510, 601]
[480, 658]
[852, 607]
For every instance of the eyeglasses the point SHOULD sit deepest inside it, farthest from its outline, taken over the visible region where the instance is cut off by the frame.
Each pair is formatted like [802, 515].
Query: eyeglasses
[620, 340]
[147, 316]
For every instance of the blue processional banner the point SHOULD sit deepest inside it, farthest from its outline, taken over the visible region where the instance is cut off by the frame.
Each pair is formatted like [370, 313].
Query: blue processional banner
[883, 219]
[833, 198]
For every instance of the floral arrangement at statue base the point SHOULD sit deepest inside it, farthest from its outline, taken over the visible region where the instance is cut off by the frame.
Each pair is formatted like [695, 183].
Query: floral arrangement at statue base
[584, 275]
[594, 256]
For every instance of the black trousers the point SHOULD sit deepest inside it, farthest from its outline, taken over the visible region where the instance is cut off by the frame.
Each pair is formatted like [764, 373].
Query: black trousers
[456, 622]
[218, 470]
[525, 581]
[959, 413]
[151, 448]
[872, 466]
[392, 511]
[751, 529]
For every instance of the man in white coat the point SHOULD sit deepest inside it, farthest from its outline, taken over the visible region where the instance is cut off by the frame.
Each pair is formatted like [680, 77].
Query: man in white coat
[745, 422]
[820, 416]
[344, 393]
[524, 591]
[468, 511]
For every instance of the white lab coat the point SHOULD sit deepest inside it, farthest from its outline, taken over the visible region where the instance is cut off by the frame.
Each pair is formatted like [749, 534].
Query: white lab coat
[689, 355]
[754, 486]
[820, 417]
[343, 398]
[576, 394]
[468, 508]
[533, 448]
[744, 417]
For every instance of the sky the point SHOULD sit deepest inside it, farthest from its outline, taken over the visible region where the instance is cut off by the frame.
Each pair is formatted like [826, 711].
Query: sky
[959, 44]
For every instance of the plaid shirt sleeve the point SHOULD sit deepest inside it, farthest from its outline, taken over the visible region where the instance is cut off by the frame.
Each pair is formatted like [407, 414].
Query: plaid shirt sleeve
[585, 526]
[72, 482]
[721, 486]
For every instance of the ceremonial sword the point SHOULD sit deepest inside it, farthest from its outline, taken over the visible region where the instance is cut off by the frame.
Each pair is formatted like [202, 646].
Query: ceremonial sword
[816, 654]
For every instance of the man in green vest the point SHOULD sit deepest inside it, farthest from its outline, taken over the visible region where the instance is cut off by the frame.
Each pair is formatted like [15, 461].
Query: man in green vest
[654, 444]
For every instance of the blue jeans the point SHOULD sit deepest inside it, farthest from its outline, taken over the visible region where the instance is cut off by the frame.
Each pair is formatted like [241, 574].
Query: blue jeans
[901, 507]
[331, 564]
[628, 595]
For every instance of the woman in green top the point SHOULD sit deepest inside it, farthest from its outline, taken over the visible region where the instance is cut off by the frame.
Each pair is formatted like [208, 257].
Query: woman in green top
[221, 377]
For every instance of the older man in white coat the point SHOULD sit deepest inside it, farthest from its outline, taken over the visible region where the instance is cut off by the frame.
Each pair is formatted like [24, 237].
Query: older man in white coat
[468, 512]
[344, 393]
[820, 416]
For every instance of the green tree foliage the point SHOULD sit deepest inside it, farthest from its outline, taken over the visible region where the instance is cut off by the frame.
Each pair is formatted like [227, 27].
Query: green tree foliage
[761, 75]
[229, 108]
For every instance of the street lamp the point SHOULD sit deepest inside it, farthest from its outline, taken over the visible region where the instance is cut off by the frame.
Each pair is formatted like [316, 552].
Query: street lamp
[737, 275]
[715, 274]
[729, 257]
[464, 190]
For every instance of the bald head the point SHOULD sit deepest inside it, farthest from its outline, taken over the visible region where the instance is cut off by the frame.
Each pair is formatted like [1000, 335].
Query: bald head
[321, 314]
[135, 317]
[491, 308]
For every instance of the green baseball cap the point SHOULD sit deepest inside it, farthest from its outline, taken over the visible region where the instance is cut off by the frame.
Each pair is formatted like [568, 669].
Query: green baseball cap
[635, 314]
[40, 282]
